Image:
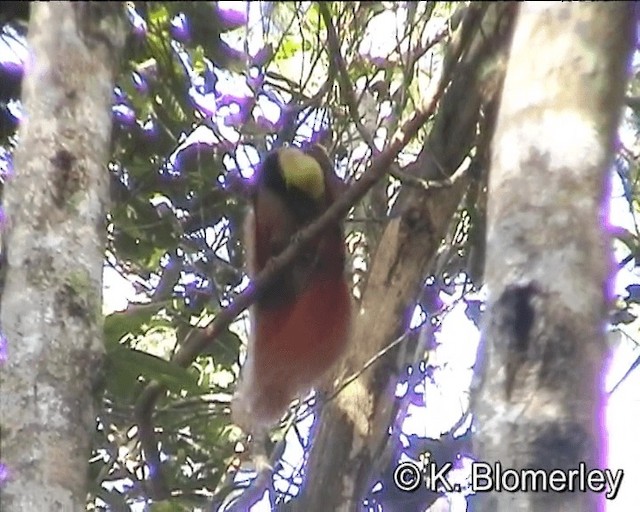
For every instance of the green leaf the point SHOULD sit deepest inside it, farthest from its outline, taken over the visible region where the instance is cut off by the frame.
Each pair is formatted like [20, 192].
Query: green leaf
[168, 506]
[130, 321]
[134, 363]
[289, 47]
[224, 349]
[158, 15]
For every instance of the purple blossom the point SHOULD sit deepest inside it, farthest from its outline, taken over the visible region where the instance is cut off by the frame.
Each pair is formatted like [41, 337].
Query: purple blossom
[192, 153]
[272, 97]
[171, 262]
[377, 61]
[149, 129]
[119, 95]
[6, 165]
[170, 170]
[179, 28]
[205, 103]
[265, 124]
[14, 108]
[238, 115]
[262, 56]
[148, 71]
[230, 19]
[243, 102]
[231, 53]
[139, 82]
[3, 350]
[124, 114]
[137, 22]
[288, 115]
[320, 136]
[225, 146]
[255, 82]
[235, 119]
[4, 473]
[209, 77]
[12, 70]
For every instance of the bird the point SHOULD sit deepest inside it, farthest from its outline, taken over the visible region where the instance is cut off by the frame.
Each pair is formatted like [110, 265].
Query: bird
[299, 325]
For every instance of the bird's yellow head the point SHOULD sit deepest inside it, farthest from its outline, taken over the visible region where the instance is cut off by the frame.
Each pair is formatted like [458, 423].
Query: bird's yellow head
[302, 172]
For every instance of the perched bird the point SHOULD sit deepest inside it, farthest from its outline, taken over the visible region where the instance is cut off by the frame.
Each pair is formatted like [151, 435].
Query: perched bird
[299, 324]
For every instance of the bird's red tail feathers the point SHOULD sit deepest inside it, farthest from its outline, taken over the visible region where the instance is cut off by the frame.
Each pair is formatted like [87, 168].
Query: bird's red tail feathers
[293, 346]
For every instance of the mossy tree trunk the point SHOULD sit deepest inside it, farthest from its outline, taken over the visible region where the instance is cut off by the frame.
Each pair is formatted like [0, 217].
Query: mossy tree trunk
[55, 209]
[539, 401]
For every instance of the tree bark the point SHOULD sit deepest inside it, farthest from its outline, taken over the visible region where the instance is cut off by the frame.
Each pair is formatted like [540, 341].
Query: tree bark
[349, 448]
[55, 206]
[539, 400]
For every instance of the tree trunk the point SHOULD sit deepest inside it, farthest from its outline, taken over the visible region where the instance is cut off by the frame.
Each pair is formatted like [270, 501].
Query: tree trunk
[538, 403]
[51, 304]
[349, 451]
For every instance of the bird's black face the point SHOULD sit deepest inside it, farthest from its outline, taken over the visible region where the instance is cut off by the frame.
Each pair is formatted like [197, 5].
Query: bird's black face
[302, 205]
[270, 174]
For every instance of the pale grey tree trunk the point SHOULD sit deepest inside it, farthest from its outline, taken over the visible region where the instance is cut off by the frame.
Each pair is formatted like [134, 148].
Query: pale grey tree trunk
[55, 206]
[539, 402]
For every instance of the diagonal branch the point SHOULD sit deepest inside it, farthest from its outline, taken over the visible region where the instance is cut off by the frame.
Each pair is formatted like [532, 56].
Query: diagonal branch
[195, 344]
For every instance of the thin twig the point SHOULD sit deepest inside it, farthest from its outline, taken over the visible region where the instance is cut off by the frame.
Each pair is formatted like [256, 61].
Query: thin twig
[335, 57]
[416, 181]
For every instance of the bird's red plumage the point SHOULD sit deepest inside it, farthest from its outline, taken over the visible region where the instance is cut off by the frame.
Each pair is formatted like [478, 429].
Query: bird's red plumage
[300, 331]
[297, 343]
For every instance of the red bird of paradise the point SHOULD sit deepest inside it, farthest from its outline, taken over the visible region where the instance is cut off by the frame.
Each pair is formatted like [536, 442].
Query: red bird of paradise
[299, 324]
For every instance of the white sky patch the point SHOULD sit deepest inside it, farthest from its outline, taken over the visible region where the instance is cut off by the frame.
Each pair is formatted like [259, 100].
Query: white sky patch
[232, 84]
[623, 408]
[622, 413]
[12, 47]
[262, 504]
[267, 108]
[247, 157]
[292, 456]
[217, 237]
[204, 101]
[118, 291]
[418, 317]
[229, 133]
[458, 338]
[380, 37]
[202, 134]
[619, 214]
[305, 131]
